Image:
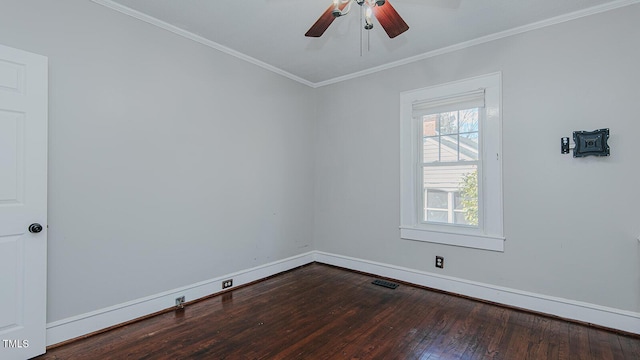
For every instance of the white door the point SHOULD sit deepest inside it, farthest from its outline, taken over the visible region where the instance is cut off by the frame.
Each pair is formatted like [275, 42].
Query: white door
[23, 202]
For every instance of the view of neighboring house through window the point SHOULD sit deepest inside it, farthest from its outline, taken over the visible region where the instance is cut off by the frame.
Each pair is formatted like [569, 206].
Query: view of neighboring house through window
[450, 167]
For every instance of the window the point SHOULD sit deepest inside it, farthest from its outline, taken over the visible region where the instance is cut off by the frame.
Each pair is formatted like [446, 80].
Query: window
[451, 165]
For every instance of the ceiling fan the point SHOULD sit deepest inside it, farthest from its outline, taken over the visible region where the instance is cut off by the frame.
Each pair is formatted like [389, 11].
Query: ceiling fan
[386, 15]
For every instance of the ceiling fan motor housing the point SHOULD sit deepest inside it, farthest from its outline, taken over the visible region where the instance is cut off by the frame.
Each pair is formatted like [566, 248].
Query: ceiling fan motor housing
[382, 10]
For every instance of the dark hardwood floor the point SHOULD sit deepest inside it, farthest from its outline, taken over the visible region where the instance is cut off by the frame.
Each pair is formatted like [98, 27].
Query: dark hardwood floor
[323, 312]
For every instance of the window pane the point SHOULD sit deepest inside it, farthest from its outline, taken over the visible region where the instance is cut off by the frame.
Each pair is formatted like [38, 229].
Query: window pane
[468, 197]
[462, 181]
[457, 201]
[449, 122]
[469, 120]
[437, 216]
[469, 146]
[446, 178]
[430, 125]
[437, 199]
[449, 148]
[431, 149]
[450, 136]
[460, 218]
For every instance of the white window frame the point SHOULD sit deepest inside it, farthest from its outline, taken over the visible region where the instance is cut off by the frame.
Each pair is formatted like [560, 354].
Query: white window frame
[488, 235]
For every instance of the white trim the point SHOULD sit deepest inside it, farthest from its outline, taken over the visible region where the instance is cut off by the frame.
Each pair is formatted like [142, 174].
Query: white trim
[75, 326]
[489, 233]
[199, 39]
[483, 242]
[569, 309]
[445, 50]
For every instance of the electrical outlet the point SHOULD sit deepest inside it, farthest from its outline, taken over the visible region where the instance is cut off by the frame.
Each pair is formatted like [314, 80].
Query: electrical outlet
[440, 262]
[180, 302]
[227, 284]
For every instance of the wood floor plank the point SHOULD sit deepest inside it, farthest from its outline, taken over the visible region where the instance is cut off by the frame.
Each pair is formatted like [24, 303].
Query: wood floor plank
[459, 330]
[323, 312]
[402, 333]
[579, 342]
[424, 327]
[491, 329]
[452, 324]
[384, 324]
[496, 335]
[629, 347]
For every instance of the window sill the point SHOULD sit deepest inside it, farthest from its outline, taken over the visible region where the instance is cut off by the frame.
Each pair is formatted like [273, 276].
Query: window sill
[484, 242]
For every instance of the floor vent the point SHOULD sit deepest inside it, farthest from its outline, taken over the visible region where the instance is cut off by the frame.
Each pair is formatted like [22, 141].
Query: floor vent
[386, 284]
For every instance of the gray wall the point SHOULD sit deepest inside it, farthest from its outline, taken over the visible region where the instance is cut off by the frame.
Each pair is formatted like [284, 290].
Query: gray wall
[571, 224]
[164, 169]
[172, 163]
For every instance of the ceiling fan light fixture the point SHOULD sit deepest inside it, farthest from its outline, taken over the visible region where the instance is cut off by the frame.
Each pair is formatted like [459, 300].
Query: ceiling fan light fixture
[344, 4]
[336, 9]
[368, 23]
[387, 17]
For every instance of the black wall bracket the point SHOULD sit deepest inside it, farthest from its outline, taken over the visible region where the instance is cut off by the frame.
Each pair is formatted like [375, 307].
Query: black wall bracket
[564, 145]
[587, 143]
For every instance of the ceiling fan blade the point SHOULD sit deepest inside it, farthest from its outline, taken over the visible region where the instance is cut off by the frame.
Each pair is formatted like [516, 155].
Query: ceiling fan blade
[323, 22]
[390, 20]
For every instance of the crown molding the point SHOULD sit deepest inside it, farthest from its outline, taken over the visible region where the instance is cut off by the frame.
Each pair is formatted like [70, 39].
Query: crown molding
[485, 39]
[199, 39]
[445, 50]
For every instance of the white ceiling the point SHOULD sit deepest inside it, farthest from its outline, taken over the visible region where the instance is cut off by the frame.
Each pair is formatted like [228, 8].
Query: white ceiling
[270, 33]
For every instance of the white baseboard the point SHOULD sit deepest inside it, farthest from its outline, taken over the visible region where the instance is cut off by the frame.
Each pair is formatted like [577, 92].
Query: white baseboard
[569, 309]
[76, 326]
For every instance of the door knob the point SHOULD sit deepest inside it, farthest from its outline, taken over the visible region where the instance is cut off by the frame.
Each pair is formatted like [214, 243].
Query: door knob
[35, 228]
